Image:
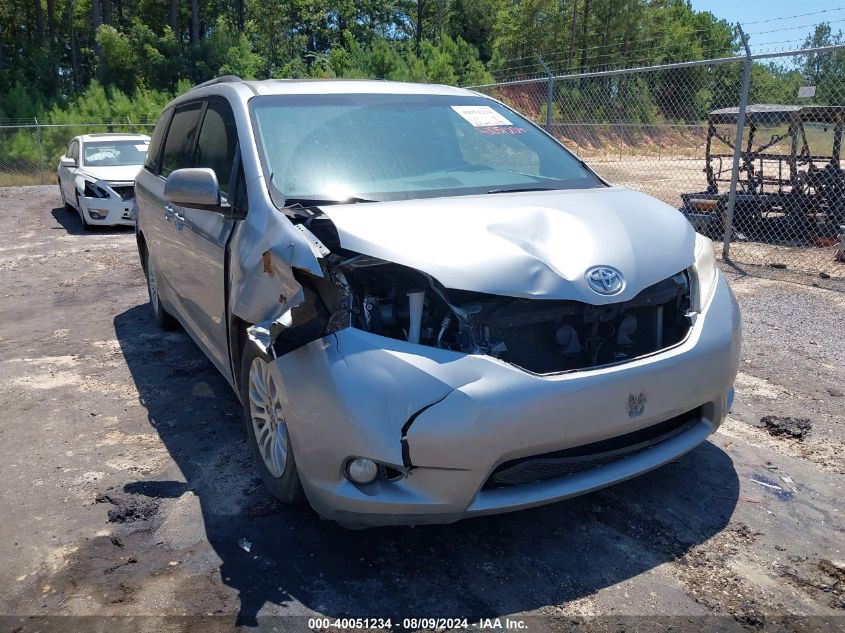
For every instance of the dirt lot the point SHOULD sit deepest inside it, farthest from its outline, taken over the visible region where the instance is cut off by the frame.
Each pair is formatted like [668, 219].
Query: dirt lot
[126, 484]
[667, 177]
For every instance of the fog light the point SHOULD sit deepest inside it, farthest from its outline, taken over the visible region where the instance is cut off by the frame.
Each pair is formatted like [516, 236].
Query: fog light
[97, 215]
[361, 470]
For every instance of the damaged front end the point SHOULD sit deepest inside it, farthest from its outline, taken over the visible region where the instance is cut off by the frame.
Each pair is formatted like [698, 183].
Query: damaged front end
[106, 201]
[434, 388]
[541, 336]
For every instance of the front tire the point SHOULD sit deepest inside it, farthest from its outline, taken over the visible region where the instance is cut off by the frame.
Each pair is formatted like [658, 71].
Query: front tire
[266, 428]
[85, 225]
[163, 318]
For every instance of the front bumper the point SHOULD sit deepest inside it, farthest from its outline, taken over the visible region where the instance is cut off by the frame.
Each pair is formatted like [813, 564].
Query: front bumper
[111, 211]
[350, 394]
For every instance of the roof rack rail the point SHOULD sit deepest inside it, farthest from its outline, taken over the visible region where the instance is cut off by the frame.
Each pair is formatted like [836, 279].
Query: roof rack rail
[225, 79]
[114, 133]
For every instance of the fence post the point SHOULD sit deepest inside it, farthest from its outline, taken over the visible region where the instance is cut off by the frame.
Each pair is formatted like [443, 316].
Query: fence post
[550, 92]
[40, 150]
[740, 126]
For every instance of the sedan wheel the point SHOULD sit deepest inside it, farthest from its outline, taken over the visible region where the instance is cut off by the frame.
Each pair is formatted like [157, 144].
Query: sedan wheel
[267, 417]
[85, 225]
[67, 206]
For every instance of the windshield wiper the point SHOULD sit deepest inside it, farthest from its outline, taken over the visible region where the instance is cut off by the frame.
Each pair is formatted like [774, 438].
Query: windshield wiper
[318, 202]
[522, 189]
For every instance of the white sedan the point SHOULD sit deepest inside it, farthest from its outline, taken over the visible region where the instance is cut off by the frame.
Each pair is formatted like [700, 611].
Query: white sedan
[97, 177]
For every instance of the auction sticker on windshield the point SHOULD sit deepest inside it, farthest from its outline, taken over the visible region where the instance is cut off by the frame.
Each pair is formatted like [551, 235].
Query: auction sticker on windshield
[481, 116]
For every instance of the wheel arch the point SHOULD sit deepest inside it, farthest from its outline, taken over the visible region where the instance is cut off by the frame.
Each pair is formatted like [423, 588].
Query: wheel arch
[237, 342]
[141, 241]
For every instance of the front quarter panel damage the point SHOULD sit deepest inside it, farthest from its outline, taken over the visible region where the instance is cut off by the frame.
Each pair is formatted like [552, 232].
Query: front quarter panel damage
[111, 203]
[268, 247]
[359, 396]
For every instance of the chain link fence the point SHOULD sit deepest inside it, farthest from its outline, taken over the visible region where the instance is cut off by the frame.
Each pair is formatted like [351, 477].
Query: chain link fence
[30, 150]
[753, 162]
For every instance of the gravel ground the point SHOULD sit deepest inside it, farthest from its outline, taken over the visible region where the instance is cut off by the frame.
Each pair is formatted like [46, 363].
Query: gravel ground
[126, 482]
[666, 177]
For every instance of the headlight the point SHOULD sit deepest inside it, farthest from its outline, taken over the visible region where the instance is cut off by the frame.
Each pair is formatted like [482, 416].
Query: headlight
[94, 191]
[705, 270]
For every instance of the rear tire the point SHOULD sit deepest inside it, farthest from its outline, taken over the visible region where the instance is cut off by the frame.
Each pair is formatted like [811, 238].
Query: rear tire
[67, 206]
[266, 429]
[163, 318]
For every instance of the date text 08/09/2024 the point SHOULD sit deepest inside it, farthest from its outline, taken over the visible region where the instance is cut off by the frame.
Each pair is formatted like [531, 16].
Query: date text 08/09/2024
[512, 624]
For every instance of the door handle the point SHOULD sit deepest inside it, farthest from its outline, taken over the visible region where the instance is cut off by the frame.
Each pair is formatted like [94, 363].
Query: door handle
[180, 221]
[168, 212]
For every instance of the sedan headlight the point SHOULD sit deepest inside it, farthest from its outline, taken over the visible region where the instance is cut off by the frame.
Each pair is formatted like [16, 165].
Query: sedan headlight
[705, 270]
[94, 191]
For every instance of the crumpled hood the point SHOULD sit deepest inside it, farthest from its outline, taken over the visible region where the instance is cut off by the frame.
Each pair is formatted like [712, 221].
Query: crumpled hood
[535, 245]
[123, 173]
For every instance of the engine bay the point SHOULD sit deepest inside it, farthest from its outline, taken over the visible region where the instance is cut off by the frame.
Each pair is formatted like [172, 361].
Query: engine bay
[539, 335]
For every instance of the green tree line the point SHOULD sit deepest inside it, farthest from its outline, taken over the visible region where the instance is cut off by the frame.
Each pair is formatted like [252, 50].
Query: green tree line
[95, 60]
[52, 50]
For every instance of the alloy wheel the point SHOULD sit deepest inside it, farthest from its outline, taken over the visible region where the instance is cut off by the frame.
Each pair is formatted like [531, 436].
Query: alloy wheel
[152, 286]
[266, 415]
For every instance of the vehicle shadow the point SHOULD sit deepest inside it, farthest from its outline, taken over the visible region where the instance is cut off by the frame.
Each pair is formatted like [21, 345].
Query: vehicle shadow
[475, 568]
[69, 220]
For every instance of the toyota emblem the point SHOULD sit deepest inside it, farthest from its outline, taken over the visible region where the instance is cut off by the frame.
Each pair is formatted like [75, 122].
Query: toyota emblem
[605, 280]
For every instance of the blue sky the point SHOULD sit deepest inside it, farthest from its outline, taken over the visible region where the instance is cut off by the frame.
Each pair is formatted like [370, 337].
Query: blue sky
[788, 32]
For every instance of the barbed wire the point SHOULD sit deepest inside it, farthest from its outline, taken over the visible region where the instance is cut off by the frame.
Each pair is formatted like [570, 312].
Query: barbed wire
[792, 41]
[554, 63]
[795, 28]
[533, 69]
[568, 61]
[578, 50]
[799, 15]
[602, 46]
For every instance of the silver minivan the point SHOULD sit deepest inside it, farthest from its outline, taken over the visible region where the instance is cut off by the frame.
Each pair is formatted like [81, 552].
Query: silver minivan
[428, 307]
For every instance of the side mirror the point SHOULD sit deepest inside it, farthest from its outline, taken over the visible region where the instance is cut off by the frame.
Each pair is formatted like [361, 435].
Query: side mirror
[195, 188]
[67, 161]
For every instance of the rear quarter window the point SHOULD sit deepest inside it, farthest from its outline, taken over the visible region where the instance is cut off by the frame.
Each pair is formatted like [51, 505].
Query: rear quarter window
[180, 138]
[217, 141]
[154, 151]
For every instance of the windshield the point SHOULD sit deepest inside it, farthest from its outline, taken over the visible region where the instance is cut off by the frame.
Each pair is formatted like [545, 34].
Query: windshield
[395, 147]
[115, 153]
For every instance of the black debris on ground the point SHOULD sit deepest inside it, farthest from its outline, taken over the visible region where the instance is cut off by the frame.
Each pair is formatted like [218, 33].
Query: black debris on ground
[776, 425]
[128, 509]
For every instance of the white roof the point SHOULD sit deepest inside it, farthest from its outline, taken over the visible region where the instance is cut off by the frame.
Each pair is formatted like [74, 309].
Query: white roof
[350, 86]
[243, 91]
[109, 136]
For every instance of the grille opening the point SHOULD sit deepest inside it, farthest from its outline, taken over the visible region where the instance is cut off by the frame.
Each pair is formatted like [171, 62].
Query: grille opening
[550, 336]
[527, 470]
[126, 192]
[539, 335]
